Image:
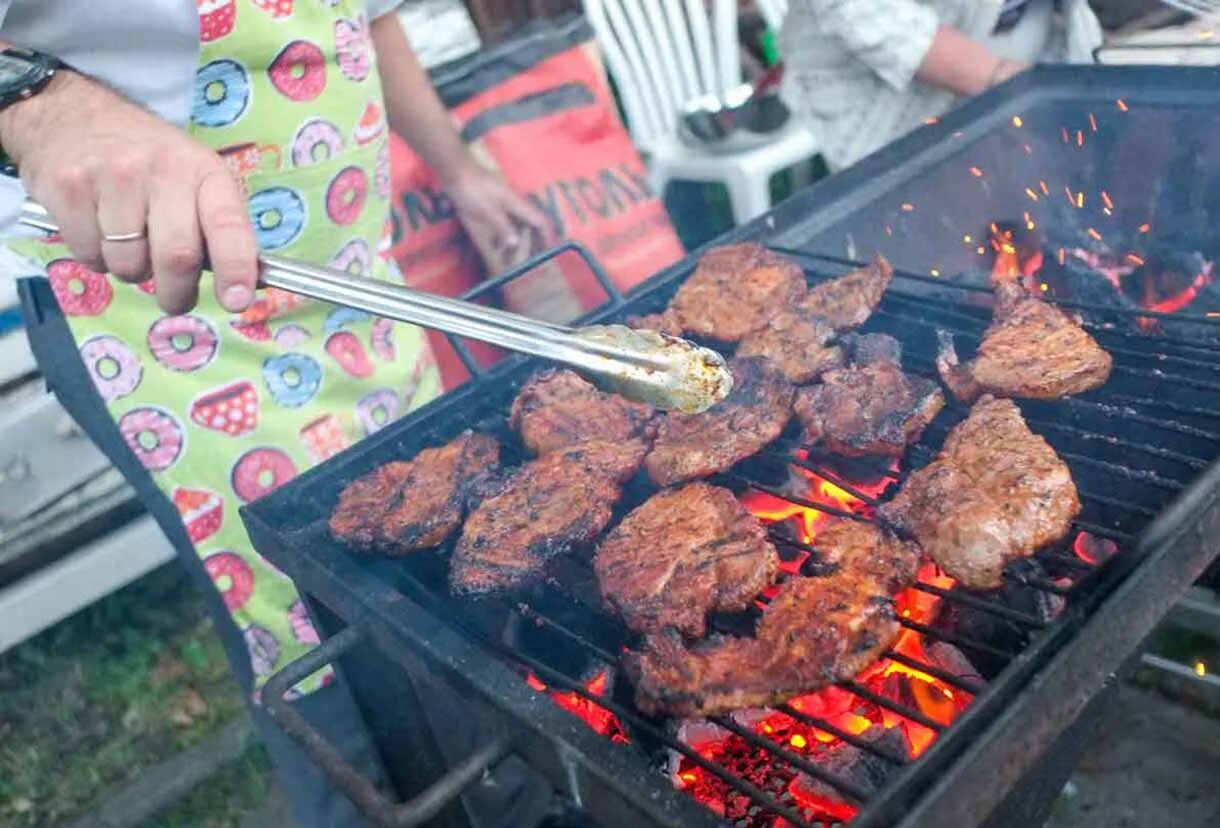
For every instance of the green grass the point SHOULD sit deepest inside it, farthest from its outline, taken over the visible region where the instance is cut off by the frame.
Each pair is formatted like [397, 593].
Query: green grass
[227, 799]
[88, 704]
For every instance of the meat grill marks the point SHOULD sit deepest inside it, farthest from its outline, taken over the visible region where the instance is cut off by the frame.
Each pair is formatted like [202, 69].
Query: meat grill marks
[814, 632]
[1031, 350]
[681, 554]
[546, 508]
[406, 506]
[734, 290]
[557, 409]
[995, 493]
[848, 301]
[693, 446]
[795, 344]
[870, 407]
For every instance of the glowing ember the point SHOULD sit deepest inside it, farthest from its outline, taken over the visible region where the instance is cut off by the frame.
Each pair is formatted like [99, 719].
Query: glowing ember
[1092, 549]
[594, 715]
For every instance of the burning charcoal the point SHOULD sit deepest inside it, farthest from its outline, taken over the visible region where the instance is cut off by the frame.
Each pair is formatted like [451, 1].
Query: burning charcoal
[851, 764]
[988, 628]
[951, 660]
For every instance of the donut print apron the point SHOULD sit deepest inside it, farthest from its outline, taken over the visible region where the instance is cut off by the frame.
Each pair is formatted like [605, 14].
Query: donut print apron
[224, 408]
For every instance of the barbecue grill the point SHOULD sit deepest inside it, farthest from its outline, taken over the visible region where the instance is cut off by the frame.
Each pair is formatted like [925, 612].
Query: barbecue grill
[1096, 183]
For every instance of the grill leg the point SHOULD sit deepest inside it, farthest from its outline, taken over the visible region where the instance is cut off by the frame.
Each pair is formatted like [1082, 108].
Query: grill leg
[422, 727]
[1030, 802]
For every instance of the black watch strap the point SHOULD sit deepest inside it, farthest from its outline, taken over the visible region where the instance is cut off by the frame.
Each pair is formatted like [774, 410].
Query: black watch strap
[23, 74]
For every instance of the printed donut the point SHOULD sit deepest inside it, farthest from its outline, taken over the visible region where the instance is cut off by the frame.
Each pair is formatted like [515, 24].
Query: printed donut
[354, 257]
[202, 512]
[264, 649]
[222, 93]
[231, 409]
[292, 379]
[153, 435]
[261, 471]
[278, 215]
[253, 331]
[381, 338]
[381, 172]
[278, 9]
[340, 318]
[79, 290]
[115, 368]
[291, 336]
[370, 126]
[353, 46]
[183, 343]
[346, 349]
[233, 577]
[317, 140]
[346, 194]
[299, 71]
[148, 286]
[376, 410]
[302, 627]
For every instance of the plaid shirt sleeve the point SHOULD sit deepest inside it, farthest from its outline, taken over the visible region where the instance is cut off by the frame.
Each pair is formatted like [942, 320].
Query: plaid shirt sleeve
[891, 36]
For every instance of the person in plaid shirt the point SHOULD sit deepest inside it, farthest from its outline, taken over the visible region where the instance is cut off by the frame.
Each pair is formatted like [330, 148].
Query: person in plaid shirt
[864, 72]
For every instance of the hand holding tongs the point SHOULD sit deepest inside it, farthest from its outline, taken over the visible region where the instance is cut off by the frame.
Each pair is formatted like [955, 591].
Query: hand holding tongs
[666, 371]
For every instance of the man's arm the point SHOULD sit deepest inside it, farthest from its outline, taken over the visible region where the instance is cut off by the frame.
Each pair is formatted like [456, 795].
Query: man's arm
[103, 166]
[416, 113]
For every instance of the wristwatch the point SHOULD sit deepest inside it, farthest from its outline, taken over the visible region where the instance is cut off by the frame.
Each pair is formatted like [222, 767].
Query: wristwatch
[24, 73]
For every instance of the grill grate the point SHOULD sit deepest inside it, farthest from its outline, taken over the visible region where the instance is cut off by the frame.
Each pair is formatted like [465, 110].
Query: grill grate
[1163, 473]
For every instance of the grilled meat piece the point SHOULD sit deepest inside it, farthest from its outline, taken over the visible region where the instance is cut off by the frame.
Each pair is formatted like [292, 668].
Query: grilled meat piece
[733, 291]
[995, 493]
[870, 407]
[659, 322]
[682, 553]
[848, 301]
[862, 550]
[1031, 350]
[557, 409]
[816, 631]
[406, 506]
[692, 446]
[796, 344]
[547, 507]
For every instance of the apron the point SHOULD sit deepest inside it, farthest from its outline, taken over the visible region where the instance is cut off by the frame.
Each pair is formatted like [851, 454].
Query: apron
[222, 408]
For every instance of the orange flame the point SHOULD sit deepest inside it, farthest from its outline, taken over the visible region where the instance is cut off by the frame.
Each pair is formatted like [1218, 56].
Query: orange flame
[594, 715]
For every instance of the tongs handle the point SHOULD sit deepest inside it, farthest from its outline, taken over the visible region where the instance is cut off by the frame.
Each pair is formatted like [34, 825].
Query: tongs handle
[453, 316]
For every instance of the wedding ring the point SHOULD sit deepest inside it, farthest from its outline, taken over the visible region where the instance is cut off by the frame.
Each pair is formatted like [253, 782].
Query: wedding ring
[125, 237]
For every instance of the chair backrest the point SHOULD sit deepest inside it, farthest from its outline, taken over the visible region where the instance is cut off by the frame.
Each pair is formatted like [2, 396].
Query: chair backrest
[663, 54]
[773, 12]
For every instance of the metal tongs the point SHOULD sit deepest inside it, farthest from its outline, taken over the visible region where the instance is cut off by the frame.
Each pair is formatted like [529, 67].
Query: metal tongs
[665, 371]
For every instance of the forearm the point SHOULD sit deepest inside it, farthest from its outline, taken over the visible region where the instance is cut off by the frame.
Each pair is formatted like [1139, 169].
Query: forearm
[413, 109]
[961, 64]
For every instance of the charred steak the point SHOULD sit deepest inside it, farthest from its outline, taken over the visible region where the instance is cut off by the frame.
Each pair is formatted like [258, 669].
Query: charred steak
[416, 504]
[795, 344]
[814, 632]
[558, 409]
[733, 291]
[848, 301]
[1031, 350]
[681, 554]
[870, 407]
[995, 493]
[547, 507]
[693, 446]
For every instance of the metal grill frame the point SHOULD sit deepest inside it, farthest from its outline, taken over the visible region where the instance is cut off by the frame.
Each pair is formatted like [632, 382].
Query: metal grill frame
[999, 736]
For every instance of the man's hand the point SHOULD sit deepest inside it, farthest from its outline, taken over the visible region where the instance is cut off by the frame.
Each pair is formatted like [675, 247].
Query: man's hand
[489, 208]
[104, 167]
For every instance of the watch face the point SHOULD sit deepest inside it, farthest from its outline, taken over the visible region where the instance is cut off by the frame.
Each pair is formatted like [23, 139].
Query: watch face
[16, 72]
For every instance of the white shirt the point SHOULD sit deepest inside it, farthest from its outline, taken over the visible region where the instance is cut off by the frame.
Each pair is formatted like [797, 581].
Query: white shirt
[146, 49]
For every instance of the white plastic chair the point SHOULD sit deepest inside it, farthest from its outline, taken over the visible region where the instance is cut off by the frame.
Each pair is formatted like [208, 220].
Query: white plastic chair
[772, 12]
[664, 54]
